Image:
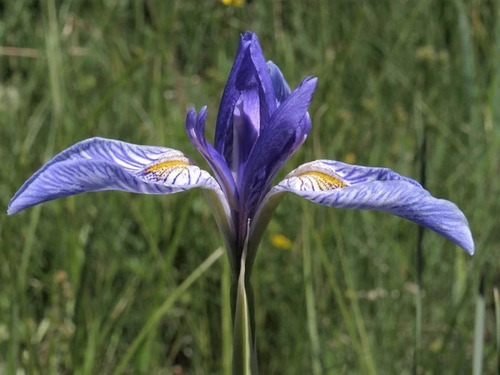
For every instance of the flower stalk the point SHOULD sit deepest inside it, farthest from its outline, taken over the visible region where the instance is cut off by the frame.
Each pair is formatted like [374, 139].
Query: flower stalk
[244, 339]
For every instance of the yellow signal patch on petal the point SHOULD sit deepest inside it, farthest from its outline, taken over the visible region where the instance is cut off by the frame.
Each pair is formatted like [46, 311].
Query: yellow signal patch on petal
[317, 180]
[174, 169]
[167, 166]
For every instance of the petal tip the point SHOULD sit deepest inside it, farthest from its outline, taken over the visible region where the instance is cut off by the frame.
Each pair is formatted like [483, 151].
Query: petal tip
[19, 203]
[312, 82]
[470, 248]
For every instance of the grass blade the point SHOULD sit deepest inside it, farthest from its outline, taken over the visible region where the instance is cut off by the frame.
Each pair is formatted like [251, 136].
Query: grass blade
[226, 319]
[479, 329]
[312, 324]
[496, 298]
[165, 308]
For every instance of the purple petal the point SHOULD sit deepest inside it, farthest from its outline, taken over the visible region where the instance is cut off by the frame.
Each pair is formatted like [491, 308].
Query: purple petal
[288, 129]
[195, 127]
[342, 185]
[281, 88]
[249, 71]
[246, 128]
[104, 164]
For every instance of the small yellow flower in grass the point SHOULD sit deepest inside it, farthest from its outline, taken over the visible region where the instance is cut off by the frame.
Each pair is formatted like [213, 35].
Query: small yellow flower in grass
[350, 158]
[281, 242]
[233, 3]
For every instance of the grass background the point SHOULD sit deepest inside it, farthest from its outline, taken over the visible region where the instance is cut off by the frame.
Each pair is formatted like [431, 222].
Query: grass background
[97, 283]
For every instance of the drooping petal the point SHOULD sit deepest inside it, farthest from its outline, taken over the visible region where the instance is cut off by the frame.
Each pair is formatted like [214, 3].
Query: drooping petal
[337, 184]
[249, 72]
[287, 130]
[104, 164]
[281, 88]
[195, 128]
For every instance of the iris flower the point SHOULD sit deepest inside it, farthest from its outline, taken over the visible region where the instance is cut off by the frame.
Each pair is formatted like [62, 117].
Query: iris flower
[260, 124]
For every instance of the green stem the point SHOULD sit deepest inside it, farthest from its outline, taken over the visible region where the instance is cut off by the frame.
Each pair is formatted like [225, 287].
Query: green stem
[244, 342]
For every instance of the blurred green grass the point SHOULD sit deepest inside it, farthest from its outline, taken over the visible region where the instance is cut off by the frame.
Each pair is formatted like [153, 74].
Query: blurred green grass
[81, 277]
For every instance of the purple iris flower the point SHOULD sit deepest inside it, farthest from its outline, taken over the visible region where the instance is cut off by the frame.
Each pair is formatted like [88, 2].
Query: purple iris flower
[260, 124]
